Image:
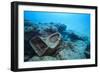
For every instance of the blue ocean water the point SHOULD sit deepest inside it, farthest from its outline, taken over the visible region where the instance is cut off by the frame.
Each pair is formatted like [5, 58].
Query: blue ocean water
[78, 22]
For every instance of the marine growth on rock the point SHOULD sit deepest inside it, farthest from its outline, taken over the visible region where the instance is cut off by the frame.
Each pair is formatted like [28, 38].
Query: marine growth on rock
[71, 45]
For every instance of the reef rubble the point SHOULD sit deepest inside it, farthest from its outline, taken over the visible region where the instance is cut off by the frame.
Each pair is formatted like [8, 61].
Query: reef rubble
[53, 42]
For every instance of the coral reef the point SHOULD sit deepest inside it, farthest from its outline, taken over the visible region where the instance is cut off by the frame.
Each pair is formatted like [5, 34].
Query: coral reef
[71, 46]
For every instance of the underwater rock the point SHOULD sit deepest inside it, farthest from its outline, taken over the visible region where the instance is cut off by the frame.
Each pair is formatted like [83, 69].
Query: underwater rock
[29, 35]
[87, 51]
[76, 53]
[35, 58]
[26, 57]
[80, 46]
[65, 36]
[30, 30]
[28, 51]
[73, 36]
[43, 58]
[47, 30]
[51, 29]
[46, 58]
[60, 27]
[30, 26]
[67, 54]
[56, 43]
